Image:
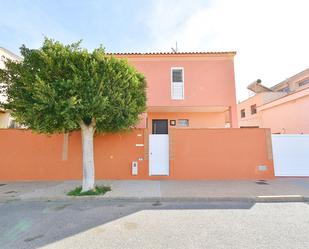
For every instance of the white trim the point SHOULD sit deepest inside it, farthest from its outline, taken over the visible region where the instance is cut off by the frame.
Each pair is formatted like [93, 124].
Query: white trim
[183, 82]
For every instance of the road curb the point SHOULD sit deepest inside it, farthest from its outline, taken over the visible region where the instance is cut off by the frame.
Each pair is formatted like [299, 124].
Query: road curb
[281, 198]
[256, 199]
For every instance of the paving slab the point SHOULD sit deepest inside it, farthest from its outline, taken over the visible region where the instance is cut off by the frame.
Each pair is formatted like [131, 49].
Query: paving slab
[134, 189]
[234, 189]
[16, 190]
[55, 191]
[280, 189]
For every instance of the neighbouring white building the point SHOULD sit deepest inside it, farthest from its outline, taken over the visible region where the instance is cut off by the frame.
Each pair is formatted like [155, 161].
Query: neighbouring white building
[6, 120]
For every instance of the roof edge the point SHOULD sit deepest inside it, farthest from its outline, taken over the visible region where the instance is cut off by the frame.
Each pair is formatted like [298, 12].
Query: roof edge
[17, 57]
[231, 53]
[291, 78]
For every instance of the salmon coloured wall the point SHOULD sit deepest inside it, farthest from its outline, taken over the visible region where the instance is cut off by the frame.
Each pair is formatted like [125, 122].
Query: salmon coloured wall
[291, 117]
[221, 153]
[207, 83]
[194, 154]
[28, 156]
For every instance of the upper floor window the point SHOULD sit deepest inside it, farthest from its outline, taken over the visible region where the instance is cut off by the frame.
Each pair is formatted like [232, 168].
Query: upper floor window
[242, 113]
[177, 84]
[285, 89]
[253, 109]
[304, 82]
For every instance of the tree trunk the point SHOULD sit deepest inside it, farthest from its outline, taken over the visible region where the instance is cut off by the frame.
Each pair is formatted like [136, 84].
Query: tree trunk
[87, 133]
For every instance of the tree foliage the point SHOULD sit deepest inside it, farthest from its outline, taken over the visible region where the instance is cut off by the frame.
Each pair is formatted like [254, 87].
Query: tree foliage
[57, 87]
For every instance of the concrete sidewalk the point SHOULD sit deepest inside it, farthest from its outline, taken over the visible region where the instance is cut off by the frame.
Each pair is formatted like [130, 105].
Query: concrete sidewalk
[281, 189]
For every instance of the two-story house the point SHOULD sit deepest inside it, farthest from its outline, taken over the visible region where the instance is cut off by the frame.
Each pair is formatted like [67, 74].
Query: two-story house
[283, 107]
[195, 90]
[184, 90]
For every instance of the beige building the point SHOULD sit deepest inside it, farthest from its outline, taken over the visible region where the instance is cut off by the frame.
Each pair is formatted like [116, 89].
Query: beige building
[5, 118]
[284, 107]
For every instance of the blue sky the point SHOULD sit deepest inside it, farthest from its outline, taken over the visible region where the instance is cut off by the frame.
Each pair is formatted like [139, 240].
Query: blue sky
[121, 26]
[118, 25]
[270, 37]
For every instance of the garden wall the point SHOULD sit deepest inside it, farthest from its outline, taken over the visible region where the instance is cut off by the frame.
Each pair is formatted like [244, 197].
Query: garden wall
[194, 154]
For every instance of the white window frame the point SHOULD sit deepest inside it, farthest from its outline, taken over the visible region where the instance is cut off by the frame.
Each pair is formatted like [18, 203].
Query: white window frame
[183, 82]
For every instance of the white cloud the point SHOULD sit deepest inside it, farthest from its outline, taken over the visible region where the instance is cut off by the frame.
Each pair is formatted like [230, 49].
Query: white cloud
[271, 37]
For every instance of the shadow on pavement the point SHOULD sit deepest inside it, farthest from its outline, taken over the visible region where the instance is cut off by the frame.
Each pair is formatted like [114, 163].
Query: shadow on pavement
[33, 224]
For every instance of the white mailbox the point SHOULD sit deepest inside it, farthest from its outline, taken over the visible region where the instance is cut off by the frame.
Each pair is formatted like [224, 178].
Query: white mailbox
[134, 168]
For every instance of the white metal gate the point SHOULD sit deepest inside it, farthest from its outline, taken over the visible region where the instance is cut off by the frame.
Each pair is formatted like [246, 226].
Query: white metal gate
[291, 154]
[158, 154]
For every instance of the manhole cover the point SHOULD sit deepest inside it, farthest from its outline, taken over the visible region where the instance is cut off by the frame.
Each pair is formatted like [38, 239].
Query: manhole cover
[261, 182]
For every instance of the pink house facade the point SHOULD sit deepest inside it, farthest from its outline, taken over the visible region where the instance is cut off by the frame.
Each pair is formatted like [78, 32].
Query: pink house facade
[283, 108]
[194, 90]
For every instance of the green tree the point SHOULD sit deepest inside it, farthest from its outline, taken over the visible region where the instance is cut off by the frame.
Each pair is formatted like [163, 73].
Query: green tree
[61, 88]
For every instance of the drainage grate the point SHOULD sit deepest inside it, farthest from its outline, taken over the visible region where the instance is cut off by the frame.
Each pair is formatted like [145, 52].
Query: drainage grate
[262, 182]
[2, 184]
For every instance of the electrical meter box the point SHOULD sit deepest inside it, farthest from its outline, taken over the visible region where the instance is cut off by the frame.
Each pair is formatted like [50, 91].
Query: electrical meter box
[134, 168]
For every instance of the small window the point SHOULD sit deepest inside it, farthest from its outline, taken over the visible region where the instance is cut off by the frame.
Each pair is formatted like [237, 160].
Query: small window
[13, 124]
[177, 75]
[177, 85]
[253, 109]
[304, 82]
[242, 113]
[183, 122]
[285, 89]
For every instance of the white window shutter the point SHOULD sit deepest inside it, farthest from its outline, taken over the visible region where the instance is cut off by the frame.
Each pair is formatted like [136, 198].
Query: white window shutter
[177, 83]
[177, 90]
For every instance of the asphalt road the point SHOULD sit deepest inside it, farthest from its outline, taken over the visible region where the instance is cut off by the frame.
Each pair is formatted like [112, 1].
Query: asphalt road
[95, 223]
